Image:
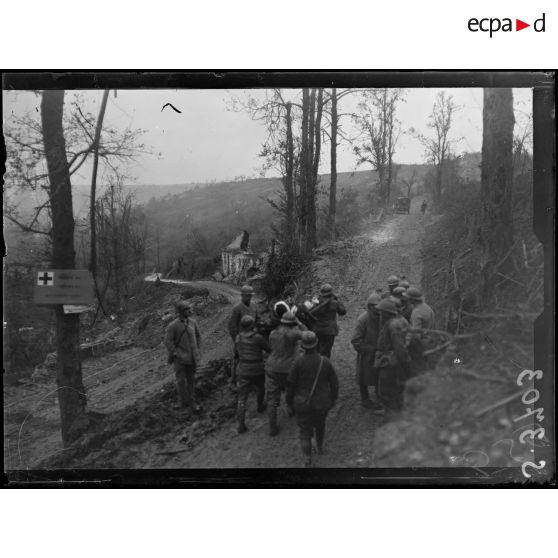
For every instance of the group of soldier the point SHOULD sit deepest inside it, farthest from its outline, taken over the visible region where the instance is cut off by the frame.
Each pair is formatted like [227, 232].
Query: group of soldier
[287, 352]
[290, 352]
[388, 338]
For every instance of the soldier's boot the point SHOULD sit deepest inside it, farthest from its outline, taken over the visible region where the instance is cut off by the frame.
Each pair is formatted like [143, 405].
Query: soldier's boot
[272, 414]
[320, 435]
[262, 406]
[241, 420]
[306, 447]
[183, 400]
[365, 397]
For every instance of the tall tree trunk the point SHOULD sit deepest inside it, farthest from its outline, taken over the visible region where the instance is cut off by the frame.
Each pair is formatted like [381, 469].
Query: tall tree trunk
[318, 135]
[333, 173]
[304, 149]
[289, 176]
[496, 184]
[389, 132]
[310, 186]
[71, 392]
[384, 148]
[382, 181]
[115, 246]
[312, 220]
[93, 194]
[389, 180]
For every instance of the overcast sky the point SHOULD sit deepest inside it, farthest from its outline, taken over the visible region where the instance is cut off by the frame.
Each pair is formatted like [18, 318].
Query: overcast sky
[208, 141]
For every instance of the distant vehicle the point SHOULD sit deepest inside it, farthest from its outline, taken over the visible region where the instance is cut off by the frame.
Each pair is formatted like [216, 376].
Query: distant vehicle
[403, 205]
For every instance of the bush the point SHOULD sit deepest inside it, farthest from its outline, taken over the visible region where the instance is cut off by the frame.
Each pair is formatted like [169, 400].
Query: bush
[281, 270]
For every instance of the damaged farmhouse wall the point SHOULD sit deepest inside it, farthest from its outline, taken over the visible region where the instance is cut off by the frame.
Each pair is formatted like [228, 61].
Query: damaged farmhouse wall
[239, 263]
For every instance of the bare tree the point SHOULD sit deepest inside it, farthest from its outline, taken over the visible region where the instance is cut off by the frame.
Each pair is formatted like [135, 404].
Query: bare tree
[379, 133]
[293, 146]
[332, 117]
[522, 142]
[332, 208]
[304, 171]
[95, 148]
[314, 143]
[438, 147]
[85, 134]
[25, 164]
[281, 152]
[71, 392]
[290, 171]
[121, 239]
[43, 155]
[496, 185]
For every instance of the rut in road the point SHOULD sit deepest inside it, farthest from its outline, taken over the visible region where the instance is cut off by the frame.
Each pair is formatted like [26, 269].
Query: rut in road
[355, 268]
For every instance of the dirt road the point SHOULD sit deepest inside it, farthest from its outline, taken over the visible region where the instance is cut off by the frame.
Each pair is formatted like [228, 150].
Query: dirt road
[356, 268]
[117, 381]
[113, 381]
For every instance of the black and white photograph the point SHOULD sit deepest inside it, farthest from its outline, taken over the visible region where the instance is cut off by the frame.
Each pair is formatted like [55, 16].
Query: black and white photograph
[279, 277]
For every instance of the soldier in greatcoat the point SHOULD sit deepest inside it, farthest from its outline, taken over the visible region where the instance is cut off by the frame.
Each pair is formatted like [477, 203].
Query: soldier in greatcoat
[312, 391]
[245, 307]
[365, 341]
[250, 348]
[421, 318]
[325, 314]
[183, 343]
[392, 359]
[284, 342]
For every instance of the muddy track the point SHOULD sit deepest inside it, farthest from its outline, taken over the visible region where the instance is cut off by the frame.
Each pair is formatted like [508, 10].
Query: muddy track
[392, 247]
[115, 381]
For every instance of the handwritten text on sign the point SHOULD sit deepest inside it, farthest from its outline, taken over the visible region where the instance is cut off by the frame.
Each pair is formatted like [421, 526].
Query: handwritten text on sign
[64, 286]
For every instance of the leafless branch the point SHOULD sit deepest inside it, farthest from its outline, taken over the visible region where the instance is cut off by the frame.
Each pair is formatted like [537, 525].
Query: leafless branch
[26, 228]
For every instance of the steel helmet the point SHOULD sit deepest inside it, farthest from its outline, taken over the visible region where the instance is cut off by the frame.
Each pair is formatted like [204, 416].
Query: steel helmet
[387, 306]
[309, 340]
[326, 290]
[404, 283]
[247, 289]
[183, 305]
[288, 318]
[413, 293]
[247, 321]
[393, 280]
[373, 299]
[399, 291]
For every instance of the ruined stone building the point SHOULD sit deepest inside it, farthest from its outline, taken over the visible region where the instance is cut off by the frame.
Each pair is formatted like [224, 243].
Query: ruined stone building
[240, 263]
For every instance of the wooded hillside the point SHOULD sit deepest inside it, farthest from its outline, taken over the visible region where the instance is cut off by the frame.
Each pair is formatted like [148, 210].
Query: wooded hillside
[200, 220]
